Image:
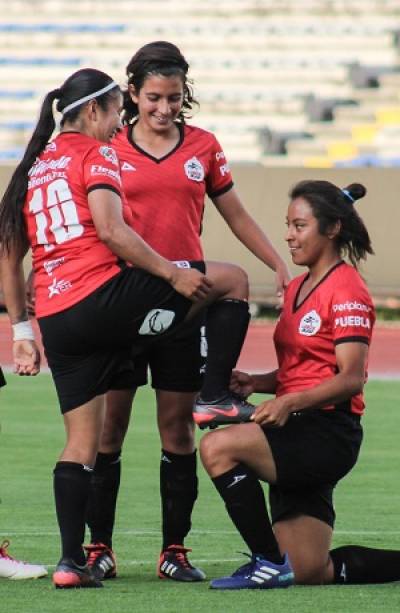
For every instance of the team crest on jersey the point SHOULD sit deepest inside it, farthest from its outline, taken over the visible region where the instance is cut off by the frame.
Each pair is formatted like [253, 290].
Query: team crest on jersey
[109, 154]
[194, 169]
[310, 323]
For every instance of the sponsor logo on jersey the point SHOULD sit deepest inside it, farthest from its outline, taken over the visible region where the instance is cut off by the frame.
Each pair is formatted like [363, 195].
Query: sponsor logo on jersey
[310, 323]
[127, 166]
[59, 287]
[220, 155]
[51, 265]
[42, 166]
[356, 321]
[51, 176]
[156, 322]
[194, 169]
[51, 147]
[181, 263]
[109, 154]
[224, 169]
[96, 170]
[351, 306]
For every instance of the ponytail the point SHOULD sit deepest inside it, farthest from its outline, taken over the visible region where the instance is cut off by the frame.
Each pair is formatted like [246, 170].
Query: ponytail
[12, 224]
[80, 87]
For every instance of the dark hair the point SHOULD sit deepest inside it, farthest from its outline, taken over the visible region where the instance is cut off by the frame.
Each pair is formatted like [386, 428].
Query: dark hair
[157, 58]
[80, 84]
[330, 205]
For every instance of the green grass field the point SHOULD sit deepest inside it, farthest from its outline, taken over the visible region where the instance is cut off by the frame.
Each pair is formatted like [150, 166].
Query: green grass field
[367, 505]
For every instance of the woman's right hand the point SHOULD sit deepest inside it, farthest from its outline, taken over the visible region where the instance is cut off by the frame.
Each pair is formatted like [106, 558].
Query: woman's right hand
[191, 283]
[26, 358]
[242, 383]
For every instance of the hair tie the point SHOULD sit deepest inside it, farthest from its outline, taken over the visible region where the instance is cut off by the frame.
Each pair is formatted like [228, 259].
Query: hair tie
[95, 94]
[348, 195]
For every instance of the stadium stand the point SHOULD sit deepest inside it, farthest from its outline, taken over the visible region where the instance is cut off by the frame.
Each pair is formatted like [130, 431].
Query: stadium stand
[279, 81]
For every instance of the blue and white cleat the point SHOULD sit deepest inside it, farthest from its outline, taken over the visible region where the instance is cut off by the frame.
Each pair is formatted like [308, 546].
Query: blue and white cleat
[259, 573]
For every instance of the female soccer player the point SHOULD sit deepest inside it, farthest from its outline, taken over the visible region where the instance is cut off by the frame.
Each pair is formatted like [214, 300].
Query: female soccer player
[308, 437]
[64, 200]
[167, 169]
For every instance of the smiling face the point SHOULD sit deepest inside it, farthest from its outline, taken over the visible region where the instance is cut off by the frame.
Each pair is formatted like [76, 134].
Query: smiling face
[109, 119]
[307, 246]
[159, 102]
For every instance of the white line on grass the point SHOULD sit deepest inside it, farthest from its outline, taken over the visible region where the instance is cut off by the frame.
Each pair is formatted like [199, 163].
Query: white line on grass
[193, 532]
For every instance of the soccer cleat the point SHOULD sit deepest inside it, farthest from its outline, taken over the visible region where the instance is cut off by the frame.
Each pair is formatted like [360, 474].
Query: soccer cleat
[15, 569]
[257, 574]
[174, 564]
[68, 575]
[101, 561]
[232, 409]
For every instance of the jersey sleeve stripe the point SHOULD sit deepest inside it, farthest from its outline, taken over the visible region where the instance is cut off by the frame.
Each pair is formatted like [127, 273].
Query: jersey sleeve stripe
[221, 191]
[104, 186]
[352, 339]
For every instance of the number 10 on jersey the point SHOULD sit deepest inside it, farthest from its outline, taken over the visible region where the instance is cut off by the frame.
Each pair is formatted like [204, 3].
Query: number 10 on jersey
[55, 213]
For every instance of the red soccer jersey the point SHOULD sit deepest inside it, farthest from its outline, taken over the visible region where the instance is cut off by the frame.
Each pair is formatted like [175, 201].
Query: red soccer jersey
[69, 260]
[338, 310]
[167, 195]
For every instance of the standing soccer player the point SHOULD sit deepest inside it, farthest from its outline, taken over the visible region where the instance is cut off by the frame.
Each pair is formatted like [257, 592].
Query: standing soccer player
[65, 201]
[168, 168]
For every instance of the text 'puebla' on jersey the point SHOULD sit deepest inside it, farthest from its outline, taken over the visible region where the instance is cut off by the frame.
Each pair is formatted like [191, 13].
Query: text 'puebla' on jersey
[338, 310]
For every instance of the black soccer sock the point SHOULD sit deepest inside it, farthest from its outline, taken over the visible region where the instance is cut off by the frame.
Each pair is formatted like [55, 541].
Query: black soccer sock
[71, 491]
[100, 515]
[245, 502]
[226, 327]
[355, 564]
[178, 488]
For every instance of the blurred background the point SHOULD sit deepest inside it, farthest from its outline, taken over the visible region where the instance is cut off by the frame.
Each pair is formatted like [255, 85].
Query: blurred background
[292, 89]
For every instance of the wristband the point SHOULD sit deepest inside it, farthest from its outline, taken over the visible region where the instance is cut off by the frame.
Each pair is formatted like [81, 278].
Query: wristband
[23, 331]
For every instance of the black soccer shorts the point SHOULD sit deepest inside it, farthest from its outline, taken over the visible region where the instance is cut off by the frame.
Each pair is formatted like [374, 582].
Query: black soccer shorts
[312, 452]
[91, 344]
[176, 363]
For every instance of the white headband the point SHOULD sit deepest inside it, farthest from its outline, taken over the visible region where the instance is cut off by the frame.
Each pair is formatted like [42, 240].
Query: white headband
[89, 97]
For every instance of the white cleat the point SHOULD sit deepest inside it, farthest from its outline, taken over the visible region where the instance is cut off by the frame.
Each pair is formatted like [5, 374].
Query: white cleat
[15, 569]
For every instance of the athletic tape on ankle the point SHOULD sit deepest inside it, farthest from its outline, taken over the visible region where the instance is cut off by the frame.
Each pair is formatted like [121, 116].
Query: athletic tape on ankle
[23, 331]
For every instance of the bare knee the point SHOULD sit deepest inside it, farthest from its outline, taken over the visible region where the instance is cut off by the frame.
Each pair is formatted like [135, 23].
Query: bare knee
[113, 436]
[177, 433]
[240, 281]
[175, 421]
[230, 280]
[118, 412]
[215, 454]
[310, 573]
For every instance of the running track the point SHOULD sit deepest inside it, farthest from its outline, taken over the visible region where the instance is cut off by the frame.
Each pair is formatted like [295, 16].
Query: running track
[258, 353]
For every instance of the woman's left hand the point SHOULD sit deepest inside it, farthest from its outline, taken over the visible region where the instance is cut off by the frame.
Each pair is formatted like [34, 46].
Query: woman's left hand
[275, 412]
[26, 358]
